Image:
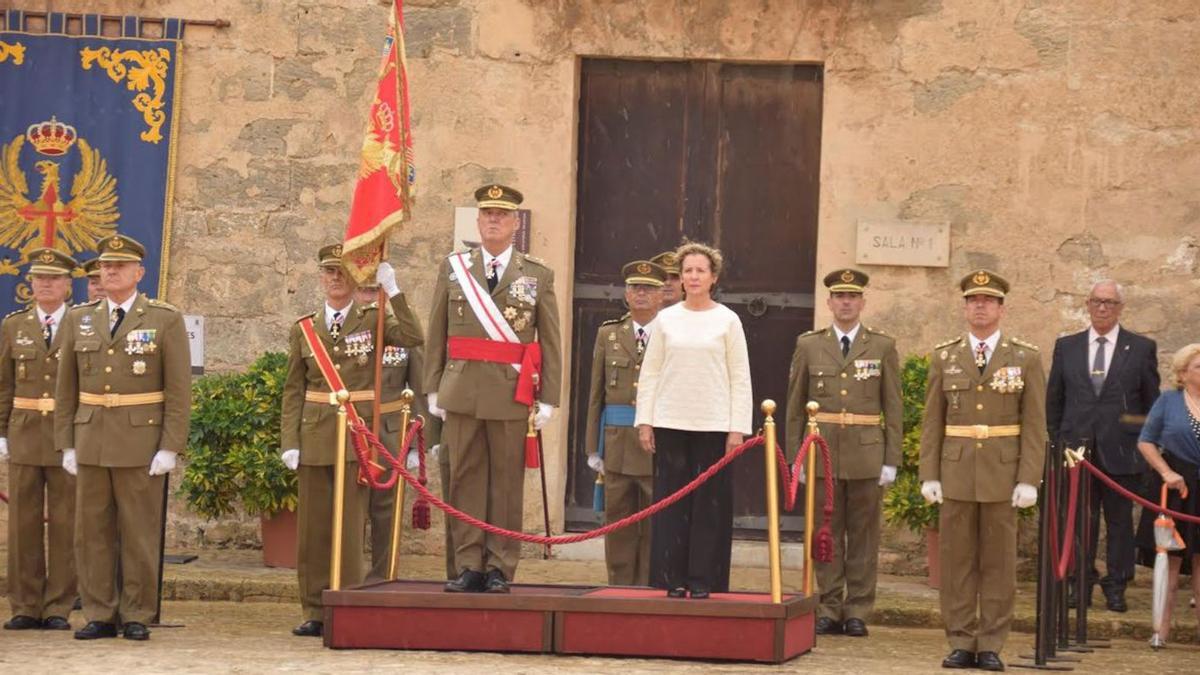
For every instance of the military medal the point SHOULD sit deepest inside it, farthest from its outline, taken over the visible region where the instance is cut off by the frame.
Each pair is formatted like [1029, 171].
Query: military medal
[866, 368]
[139, 367]
[86, 329]
[21, 370]
[140, 341]
[23, 340]
[1008, 380]
[394, 356]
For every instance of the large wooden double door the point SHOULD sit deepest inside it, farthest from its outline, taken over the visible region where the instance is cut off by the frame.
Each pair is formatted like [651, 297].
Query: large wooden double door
[724, 153]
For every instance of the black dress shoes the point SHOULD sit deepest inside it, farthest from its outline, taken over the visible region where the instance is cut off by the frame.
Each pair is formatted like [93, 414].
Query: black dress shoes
[136, 631]
[959, 658]
[495, 582]
[309, 629]
[22, 622]
[1114, 600]
[827, 626]
[854, 628]
[680, 592]
[95, 630]
[56, 623]
[989, 661]
[469, 581]
[699, 593]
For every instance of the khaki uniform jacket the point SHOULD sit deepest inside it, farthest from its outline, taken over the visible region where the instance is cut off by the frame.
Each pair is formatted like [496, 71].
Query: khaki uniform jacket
[312, 427]
[984, 470]
[615, 366]
[485, 390]
[28, 369]
[91, 361]
[865, 382]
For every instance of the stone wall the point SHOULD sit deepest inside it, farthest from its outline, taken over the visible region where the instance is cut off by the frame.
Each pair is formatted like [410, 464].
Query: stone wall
[1058, 138]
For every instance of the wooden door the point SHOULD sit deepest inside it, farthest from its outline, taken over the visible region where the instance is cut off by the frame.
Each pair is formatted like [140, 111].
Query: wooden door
[719, 152]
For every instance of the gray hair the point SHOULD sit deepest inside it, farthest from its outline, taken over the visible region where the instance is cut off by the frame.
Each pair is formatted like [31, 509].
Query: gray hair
[1109, 282]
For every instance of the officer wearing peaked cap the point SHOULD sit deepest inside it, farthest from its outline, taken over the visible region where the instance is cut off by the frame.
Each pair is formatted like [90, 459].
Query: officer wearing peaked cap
[41, 586]
[91, 271]
[672, 288]
[982, 446]
[121, 410]
[345, 331]
[853, 372]
[613, 450]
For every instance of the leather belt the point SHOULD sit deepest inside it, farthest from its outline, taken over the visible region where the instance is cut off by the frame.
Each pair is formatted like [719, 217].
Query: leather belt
[982, 431]
[42, 405]
[848, 418]
[330, 398]
[121, 400]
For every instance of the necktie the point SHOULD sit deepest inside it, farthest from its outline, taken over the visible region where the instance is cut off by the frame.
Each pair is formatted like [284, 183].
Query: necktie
[47, 331]
[845, 345]
[1098, 365]
[981, 356]
[641, 340]
[493, 274]
[335, 326]
[117, 315]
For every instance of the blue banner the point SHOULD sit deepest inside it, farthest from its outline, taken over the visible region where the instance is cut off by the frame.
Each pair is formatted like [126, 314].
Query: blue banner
[87, 143]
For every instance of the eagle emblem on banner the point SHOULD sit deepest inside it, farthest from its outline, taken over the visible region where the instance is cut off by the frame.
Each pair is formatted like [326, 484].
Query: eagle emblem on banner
[29, 219]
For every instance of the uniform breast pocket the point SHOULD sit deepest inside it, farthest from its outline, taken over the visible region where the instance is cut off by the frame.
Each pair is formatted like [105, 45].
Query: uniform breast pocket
[460, 311]
[86, 354]
[821, 382]
[617, 371]
[23, 358]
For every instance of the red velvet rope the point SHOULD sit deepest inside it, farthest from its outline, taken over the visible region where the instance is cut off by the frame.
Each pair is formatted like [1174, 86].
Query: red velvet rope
[364, 440]
[400, 470]
[1146, 503]
[823, 543]
[1062, 563]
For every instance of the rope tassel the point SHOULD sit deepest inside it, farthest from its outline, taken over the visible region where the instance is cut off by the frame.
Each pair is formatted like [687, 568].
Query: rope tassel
[532, 460]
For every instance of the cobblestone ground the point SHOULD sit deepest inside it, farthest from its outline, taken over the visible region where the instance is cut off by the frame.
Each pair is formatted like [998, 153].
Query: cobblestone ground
[253, 637]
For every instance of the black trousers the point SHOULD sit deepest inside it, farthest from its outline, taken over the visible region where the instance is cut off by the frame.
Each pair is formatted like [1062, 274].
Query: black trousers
[690, 542]
[1118, 519]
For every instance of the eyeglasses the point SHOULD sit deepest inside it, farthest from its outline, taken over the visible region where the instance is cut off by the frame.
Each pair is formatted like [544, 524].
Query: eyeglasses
[1106, 303]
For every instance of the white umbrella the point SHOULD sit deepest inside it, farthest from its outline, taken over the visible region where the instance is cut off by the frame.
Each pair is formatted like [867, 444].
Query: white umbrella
[1165, 539]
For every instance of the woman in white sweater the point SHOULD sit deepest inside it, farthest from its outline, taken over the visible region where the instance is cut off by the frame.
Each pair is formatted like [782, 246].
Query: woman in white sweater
[693, 406]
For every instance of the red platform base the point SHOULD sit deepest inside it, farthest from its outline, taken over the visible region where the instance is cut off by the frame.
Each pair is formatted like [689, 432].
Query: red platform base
[592, 620]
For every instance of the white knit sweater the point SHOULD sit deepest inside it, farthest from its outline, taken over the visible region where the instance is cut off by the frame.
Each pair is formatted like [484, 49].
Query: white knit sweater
[695, 375]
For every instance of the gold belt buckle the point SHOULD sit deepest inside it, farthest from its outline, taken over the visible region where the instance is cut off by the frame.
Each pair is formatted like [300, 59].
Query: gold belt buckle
[981, 431]
[847, 418]
[112, 400]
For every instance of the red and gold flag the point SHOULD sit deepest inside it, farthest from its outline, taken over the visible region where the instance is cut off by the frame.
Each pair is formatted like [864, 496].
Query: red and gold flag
[382, 197]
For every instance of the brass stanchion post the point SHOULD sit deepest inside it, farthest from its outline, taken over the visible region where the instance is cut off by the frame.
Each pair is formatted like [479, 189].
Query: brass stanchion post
[810, 498]
[406, 398]
[768, 408]
[342, 398]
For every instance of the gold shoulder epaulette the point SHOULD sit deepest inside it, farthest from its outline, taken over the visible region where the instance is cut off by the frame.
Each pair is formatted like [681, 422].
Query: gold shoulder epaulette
[815, 331]
[1023, 343]
[536, 260]
[17, 311]
[876, 331]
[160, 303]
[612, 322]
[90, 303]
[310, 315]
[949, 342]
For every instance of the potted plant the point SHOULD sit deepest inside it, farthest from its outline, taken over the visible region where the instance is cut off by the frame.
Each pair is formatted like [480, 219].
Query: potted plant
[233, 454]
[903, 503]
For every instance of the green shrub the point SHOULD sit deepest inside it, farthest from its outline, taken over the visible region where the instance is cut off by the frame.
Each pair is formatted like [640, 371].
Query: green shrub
[903, 503]
[233, 445]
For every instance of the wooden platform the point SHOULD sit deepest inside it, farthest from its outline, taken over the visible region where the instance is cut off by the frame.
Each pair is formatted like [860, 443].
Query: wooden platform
[604, 621]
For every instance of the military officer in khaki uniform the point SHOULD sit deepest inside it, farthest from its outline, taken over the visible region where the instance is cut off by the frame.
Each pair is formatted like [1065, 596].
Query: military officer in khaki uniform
[853, 372]
[982, 446]
[673, 288]
[91, 270]
[41, 589]
[612, 446]
[473, 381]
[402, 369]
[121, 411]
[346, 330]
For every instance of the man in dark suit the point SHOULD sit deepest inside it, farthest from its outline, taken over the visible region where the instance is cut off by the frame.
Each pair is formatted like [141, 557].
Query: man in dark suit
[1102, 383]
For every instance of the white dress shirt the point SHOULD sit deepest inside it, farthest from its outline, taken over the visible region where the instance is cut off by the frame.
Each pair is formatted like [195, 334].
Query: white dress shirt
[990, 342]
[329, 312]
[852, 334]
[127, 305]
[505, 257]
[56, 315]
[1109, 347]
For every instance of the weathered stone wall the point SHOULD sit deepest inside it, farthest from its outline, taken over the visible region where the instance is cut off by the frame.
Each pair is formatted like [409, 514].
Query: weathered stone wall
[1058, 138]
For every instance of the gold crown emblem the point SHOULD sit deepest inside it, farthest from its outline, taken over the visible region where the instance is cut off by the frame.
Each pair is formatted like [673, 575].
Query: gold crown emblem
[669, 258]
[51, 138]
[495, 192]
[116, 244]
[981, 278]
[847, 276]
[337, 250]
[643, 268]
[46, 257]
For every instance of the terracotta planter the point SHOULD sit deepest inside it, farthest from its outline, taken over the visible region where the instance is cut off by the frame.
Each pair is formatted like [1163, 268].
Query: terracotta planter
[279, 532]
[933, 559]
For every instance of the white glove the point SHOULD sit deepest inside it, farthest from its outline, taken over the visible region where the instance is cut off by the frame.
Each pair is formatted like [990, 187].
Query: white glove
[544, 412]
[596, 463]
[887, 475]
[435, 451]
[3, 449]
[1024, 496]
[433, 407]
[291, 458]
[69, 464]
[385, 276]
[931, 490]
[163, 462]
[803, 478]
[412, 462]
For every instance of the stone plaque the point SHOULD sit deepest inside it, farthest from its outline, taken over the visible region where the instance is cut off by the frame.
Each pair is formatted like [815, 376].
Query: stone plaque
[194, 324]
[903, 243]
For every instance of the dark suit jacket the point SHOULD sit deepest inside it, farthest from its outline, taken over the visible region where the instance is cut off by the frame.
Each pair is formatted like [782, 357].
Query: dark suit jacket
[1112, 420]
